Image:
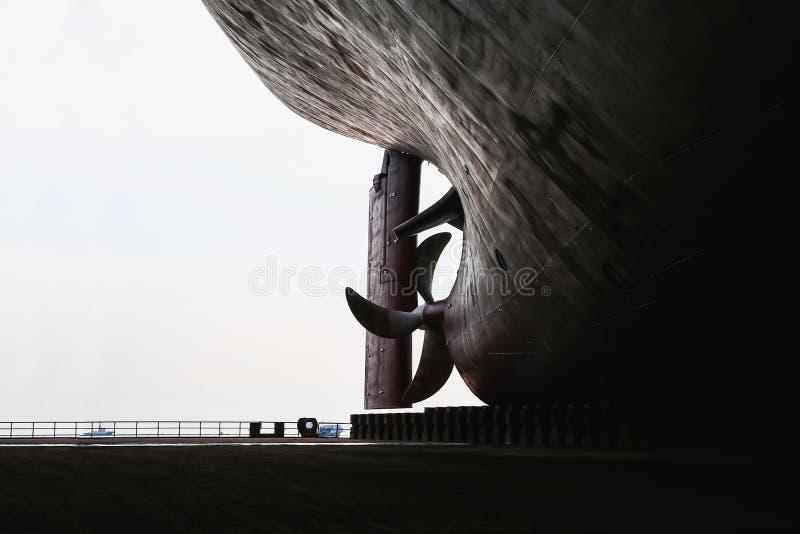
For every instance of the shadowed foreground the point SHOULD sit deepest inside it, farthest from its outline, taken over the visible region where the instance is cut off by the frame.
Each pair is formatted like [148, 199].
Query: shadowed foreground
[390, 488]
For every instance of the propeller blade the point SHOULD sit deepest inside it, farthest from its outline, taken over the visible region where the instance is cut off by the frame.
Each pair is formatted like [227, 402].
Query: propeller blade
[427, 255]
[382, 321]
[434, 368]
[445, 210]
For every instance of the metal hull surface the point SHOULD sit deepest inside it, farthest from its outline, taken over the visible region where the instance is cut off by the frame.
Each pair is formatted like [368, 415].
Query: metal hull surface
[628, 159]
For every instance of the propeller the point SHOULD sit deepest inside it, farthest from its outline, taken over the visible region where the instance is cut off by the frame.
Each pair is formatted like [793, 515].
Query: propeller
[427, 256]
[447, 209]
[382, 321]
[435, 364]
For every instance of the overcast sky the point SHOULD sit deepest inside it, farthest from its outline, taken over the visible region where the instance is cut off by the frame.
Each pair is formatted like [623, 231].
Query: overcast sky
[145, 172]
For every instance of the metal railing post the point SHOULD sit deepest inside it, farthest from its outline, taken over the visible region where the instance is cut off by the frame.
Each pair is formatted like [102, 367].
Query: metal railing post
[219, 429]
[136, 430]
[114, 429]
[158, 429]
[54, 429]
[200, 432]
[240, 429]
[75, 434]
[179, 429]
[11, 430]
[33, 426]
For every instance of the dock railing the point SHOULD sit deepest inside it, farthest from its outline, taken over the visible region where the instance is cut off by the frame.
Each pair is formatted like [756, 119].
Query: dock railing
[156, 429]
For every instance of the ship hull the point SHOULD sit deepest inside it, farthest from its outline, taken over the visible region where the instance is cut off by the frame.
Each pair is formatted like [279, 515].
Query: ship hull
[626, 159]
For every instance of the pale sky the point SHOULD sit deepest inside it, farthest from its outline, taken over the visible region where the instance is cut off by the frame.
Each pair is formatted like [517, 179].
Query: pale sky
[145, 172]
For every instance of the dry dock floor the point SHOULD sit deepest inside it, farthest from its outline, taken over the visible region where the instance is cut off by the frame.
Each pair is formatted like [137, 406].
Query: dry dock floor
[272, 487]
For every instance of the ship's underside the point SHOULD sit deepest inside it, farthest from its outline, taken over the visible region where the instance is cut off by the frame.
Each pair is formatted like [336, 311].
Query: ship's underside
[631, 157]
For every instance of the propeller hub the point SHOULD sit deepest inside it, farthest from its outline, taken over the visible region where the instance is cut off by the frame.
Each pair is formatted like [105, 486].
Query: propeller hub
[433, 313]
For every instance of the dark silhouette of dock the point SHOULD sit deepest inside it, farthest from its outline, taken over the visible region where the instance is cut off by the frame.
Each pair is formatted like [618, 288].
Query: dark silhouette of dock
[389, 488]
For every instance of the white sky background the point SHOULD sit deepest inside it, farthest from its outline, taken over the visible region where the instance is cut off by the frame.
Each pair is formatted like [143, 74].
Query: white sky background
[144, 172]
